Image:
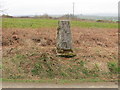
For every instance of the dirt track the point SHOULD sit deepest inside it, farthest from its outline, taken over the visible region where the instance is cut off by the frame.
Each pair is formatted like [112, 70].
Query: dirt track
[48, 85]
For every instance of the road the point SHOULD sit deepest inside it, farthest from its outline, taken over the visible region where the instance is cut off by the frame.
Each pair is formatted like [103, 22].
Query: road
[48, 85]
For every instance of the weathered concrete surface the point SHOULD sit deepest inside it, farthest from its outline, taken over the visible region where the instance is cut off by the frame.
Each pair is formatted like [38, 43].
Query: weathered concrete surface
[64, 40]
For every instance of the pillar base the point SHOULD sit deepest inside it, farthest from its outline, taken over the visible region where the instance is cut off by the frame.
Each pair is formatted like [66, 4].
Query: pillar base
[66, 53]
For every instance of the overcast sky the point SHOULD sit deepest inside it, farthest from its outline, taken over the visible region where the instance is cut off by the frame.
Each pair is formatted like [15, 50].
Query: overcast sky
[55, 7]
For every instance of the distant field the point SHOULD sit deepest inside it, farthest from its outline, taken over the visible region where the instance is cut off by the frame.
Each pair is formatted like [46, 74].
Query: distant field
[41, 23]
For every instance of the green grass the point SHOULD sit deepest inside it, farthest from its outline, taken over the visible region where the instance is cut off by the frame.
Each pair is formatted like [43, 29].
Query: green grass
[113, 67]
[85, 24]
[28, 23]
[50, 23]
[47, 66]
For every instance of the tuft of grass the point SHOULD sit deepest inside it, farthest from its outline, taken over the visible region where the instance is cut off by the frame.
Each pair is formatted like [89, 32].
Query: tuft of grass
[113, 67]
[46, 67]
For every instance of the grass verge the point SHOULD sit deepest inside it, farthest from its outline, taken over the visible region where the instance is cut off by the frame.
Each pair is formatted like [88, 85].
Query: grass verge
[58, 81]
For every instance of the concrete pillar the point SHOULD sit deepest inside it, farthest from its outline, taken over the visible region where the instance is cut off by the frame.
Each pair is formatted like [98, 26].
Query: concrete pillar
[64, 39]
